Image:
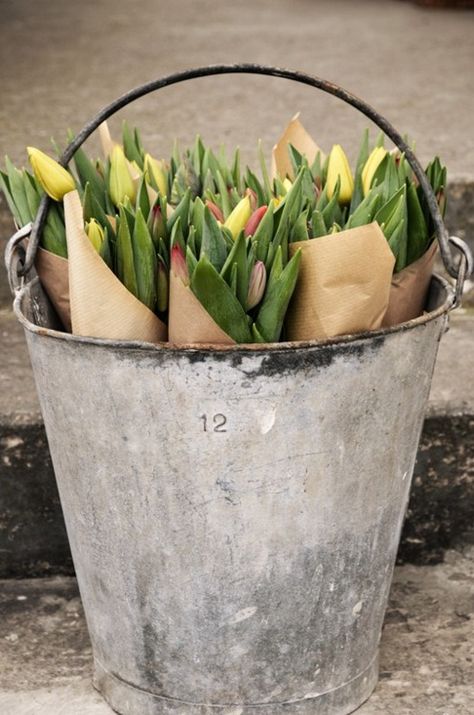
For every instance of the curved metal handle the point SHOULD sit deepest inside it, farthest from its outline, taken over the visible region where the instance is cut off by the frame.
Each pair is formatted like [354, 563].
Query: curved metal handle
[15, 258]
[465, 267]
[442, 234]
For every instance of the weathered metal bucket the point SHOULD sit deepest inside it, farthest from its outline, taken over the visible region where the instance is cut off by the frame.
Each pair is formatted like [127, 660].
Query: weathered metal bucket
[234, 514]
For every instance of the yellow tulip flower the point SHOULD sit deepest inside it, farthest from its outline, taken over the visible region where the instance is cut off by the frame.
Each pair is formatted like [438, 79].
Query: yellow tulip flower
[53, 178]
[370, 167]
[338, 168]
[238, 217]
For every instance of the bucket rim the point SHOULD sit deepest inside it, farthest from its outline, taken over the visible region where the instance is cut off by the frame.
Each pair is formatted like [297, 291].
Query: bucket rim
[253, 348]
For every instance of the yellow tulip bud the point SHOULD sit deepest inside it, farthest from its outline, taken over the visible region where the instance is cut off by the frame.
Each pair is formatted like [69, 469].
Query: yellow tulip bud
[121, 184]
[287, 184]
[338, 167]
[155, 169]
[370, 167]
[239, 216]
[95, 233]
[53, 178]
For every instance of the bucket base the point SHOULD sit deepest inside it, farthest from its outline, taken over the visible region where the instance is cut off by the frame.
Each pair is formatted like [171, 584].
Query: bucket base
[126, 699]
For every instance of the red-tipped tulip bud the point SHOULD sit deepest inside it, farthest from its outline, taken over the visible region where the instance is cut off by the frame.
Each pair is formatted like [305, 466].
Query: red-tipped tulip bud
[253, 198]
[178, 264]
[252, 224]
[215, 211]
[258, 281]
[156, 224]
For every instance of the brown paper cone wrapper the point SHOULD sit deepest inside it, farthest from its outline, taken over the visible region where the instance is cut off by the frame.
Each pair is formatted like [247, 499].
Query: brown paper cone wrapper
[409, 289]
[101, 306]
[343, 285]
[189, 323]
[53, 272]
[296, 135]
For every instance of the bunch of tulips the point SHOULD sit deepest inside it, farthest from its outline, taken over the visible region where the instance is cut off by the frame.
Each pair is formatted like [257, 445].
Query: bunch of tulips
[224, 232]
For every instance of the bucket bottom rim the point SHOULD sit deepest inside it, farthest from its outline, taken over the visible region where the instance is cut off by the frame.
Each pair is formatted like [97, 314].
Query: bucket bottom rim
[128, 699]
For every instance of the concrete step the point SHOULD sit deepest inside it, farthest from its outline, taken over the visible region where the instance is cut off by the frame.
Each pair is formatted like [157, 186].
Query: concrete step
[426, 649]
[441, 511]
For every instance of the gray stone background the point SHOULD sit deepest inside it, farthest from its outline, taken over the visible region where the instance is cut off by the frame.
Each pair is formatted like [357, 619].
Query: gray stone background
[60, 62]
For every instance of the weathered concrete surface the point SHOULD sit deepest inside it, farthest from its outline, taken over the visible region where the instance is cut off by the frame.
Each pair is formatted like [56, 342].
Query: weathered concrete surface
[452, 390]
[441, 507]
[18, 400]
[426, 656]
[460, 210]
[6, 230]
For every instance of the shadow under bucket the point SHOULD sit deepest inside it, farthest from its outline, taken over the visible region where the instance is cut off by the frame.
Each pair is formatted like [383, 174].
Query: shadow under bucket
[234, 514]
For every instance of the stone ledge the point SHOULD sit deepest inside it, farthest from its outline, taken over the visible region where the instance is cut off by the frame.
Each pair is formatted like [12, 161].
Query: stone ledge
[426, 654]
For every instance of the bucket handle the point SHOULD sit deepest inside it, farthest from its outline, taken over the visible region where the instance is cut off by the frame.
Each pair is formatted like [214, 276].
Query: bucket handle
[459, 269]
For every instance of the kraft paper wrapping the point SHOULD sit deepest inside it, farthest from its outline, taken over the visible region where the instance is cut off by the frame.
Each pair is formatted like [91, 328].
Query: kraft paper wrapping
[296, 135]
[189, 323]
[409, 289]
[101, 306]
[343, 285]
[53, 273]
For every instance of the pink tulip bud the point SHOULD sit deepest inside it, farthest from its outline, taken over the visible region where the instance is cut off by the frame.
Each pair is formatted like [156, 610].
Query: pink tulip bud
[215, 210]
[156, 223]
[178, 264]
[258, 280]
[253, 222]
[253, 198]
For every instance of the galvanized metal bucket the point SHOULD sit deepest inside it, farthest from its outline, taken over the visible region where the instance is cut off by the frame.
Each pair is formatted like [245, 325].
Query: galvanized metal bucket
[234, 514]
